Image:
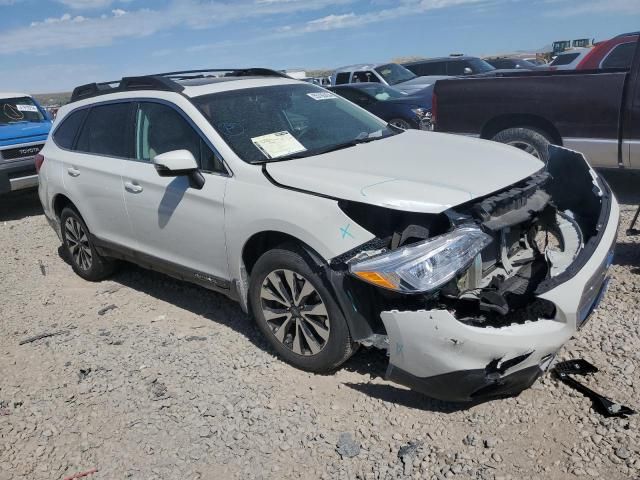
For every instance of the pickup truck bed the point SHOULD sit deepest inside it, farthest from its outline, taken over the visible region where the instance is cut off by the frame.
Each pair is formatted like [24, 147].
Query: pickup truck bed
[595, 112]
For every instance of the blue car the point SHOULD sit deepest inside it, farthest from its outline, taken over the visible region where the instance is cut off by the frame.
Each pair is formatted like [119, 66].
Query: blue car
[24, 126]
[397, 108]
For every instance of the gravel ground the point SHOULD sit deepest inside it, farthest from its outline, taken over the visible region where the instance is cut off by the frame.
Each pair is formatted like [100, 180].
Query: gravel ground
[151, 378]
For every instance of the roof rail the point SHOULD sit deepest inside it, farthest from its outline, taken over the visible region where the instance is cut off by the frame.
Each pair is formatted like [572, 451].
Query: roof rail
[627, 34]
[150, 82]
[165, 81]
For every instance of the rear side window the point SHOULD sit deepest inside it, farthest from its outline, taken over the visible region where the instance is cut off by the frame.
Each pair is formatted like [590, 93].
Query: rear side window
[107, 131]
[66, 133]
[365, 77]
[564, 59]
[426, 69]
[621, 56]
[342, 78]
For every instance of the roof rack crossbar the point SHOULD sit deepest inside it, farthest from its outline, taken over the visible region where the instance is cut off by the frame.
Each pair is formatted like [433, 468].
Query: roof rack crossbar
[165, 81]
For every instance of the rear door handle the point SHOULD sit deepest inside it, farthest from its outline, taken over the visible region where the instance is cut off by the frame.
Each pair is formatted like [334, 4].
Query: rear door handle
[132, 187]
[74, 172]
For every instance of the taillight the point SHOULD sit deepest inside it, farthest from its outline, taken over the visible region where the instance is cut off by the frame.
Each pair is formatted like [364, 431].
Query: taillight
[434, 110]
[39, 159]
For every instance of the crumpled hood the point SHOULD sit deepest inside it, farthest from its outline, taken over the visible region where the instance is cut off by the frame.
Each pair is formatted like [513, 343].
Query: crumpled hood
[414, 171]
[24, 132]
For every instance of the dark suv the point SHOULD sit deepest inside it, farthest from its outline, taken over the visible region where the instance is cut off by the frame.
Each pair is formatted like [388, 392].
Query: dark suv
[452, 66]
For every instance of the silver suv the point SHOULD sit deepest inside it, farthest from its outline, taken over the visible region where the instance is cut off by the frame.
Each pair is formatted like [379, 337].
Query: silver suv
[471, 262]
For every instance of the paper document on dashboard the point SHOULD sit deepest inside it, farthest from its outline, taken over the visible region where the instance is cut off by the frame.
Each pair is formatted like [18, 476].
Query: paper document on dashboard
[278, 144]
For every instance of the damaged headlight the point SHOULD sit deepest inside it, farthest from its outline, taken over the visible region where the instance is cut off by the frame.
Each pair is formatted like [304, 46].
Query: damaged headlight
[423, 266]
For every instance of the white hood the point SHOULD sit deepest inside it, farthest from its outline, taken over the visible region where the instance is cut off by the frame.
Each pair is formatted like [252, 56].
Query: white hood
[414, 171]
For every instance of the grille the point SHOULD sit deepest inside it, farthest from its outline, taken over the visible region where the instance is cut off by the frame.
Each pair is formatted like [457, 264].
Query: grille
[20, 152]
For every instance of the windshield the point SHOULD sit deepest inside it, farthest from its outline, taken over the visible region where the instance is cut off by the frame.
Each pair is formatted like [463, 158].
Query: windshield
[381, 92]
[268, 123]
[394, 74]
[564, 59]
[480, 66]
[21, 109]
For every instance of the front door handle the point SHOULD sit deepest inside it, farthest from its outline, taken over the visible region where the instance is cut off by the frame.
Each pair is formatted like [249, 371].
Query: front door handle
[74, 172]
[132, 187]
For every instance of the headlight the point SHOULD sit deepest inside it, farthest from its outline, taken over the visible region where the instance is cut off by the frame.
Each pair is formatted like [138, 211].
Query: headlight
[420, 112]
[423, 266]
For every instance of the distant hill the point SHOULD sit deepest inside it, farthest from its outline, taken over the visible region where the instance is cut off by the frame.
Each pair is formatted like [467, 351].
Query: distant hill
[53, 98]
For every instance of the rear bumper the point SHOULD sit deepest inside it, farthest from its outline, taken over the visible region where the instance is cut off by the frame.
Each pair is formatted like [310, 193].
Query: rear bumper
[18, 175]
[434, 353]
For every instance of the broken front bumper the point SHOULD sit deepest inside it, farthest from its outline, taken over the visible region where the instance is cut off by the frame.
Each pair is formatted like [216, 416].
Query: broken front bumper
[434, 353]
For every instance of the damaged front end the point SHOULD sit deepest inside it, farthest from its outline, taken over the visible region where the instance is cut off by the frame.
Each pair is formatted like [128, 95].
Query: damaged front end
[476, 302]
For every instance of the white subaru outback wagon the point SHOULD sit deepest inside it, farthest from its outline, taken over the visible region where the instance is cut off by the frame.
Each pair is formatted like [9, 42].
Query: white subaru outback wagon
[471, 262]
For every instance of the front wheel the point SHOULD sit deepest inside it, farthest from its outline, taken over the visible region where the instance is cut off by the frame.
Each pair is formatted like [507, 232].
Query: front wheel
[297, 313]
[530, 140]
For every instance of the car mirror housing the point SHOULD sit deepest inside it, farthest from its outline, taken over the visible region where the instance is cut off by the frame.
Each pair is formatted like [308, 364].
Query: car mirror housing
[179, 163]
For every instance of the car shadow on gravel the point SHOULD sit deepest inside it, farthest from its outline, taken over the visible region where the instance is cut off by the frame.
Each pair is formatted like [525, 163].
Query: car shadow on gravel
[16, 206]
[373, 361]
[628, 255]
[624, 184]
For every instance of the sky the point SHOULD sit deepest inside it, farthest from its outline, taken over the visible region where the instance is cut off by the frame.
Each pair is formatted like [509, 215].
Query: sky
[54, 45]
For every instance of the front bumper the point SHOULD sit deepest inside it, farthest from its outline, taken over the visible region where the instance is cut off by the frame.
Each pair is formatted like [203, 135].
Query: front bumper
[432, 352]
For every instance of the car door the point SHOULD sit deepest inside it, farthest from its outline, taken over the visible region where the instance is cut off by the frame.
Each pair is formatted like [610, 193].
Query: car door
[177, 226]
[93, 166]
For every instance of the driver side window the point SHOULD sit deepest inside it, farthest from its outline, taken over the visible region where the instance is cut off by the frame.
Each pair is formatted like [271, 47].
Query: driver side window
[161, 129]
[361, 77]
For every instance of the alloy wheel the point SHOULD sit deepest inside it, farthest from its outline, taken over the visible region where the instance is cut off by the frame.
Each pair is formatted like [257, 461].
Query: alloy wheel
[78, 243]
[295, 312]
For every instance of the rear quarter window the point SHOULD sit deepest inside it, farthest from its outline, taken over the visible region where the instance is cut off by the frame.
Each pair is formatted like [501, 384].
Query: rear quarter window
[65, 134]
[620, 57]
[108, 130]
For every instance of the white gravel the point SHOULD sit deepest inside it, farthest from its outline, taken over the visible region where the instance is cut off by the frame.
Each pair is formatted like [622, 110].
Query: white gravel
[173, 381]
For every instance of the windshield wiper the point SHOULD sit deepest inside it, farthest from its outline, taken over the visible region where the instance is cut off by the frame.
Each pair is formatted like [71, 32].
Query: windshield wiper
[331, 148]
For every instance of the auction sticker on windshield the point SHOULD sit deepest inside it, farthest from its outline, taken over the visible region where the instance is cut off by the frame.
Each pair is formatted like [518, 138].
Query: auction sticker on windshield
[278, 144]
[27, 108]
[321, 95]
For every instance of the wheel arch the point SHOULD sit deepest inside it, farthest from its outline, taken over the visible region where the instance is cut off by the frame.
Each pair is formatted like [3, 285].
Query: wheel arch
[263, 241]
[60, 201]
[503, 122]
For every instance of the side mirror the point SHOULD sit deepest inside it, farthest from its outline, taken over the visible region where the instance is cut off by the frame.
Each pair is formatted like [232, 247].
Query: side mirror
[467, 71]
[179, 163]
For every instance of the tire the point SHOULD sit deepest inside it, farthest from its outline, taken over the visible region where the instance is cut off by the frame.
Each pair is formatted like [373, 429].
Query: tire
[318, 342]
[80, 250]
[400, 123]
[530, 140]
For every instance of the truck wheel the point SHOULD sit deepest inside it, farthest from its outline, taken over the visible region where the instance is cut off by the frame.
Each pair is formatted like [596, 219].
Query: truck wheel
[400, 123]
[528, 139]
[79, 248]
[297, 313]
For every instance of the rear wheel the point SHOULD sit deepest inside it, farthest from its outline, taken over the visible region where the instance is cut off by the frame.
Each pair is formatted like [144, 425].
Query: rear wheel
[530, 140]
[297, 312]
[80, 251]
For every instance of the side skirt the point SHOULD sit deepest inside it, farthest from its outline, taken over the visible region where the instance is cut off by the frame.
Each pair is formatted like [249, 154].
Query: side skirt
[216, 284]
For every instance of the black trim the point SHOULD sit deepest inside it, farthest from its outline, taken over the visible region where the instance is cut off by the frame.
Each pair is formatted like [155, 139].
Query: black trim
[163, 82]
[294, 189]
[210, 282]
[467, 385]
